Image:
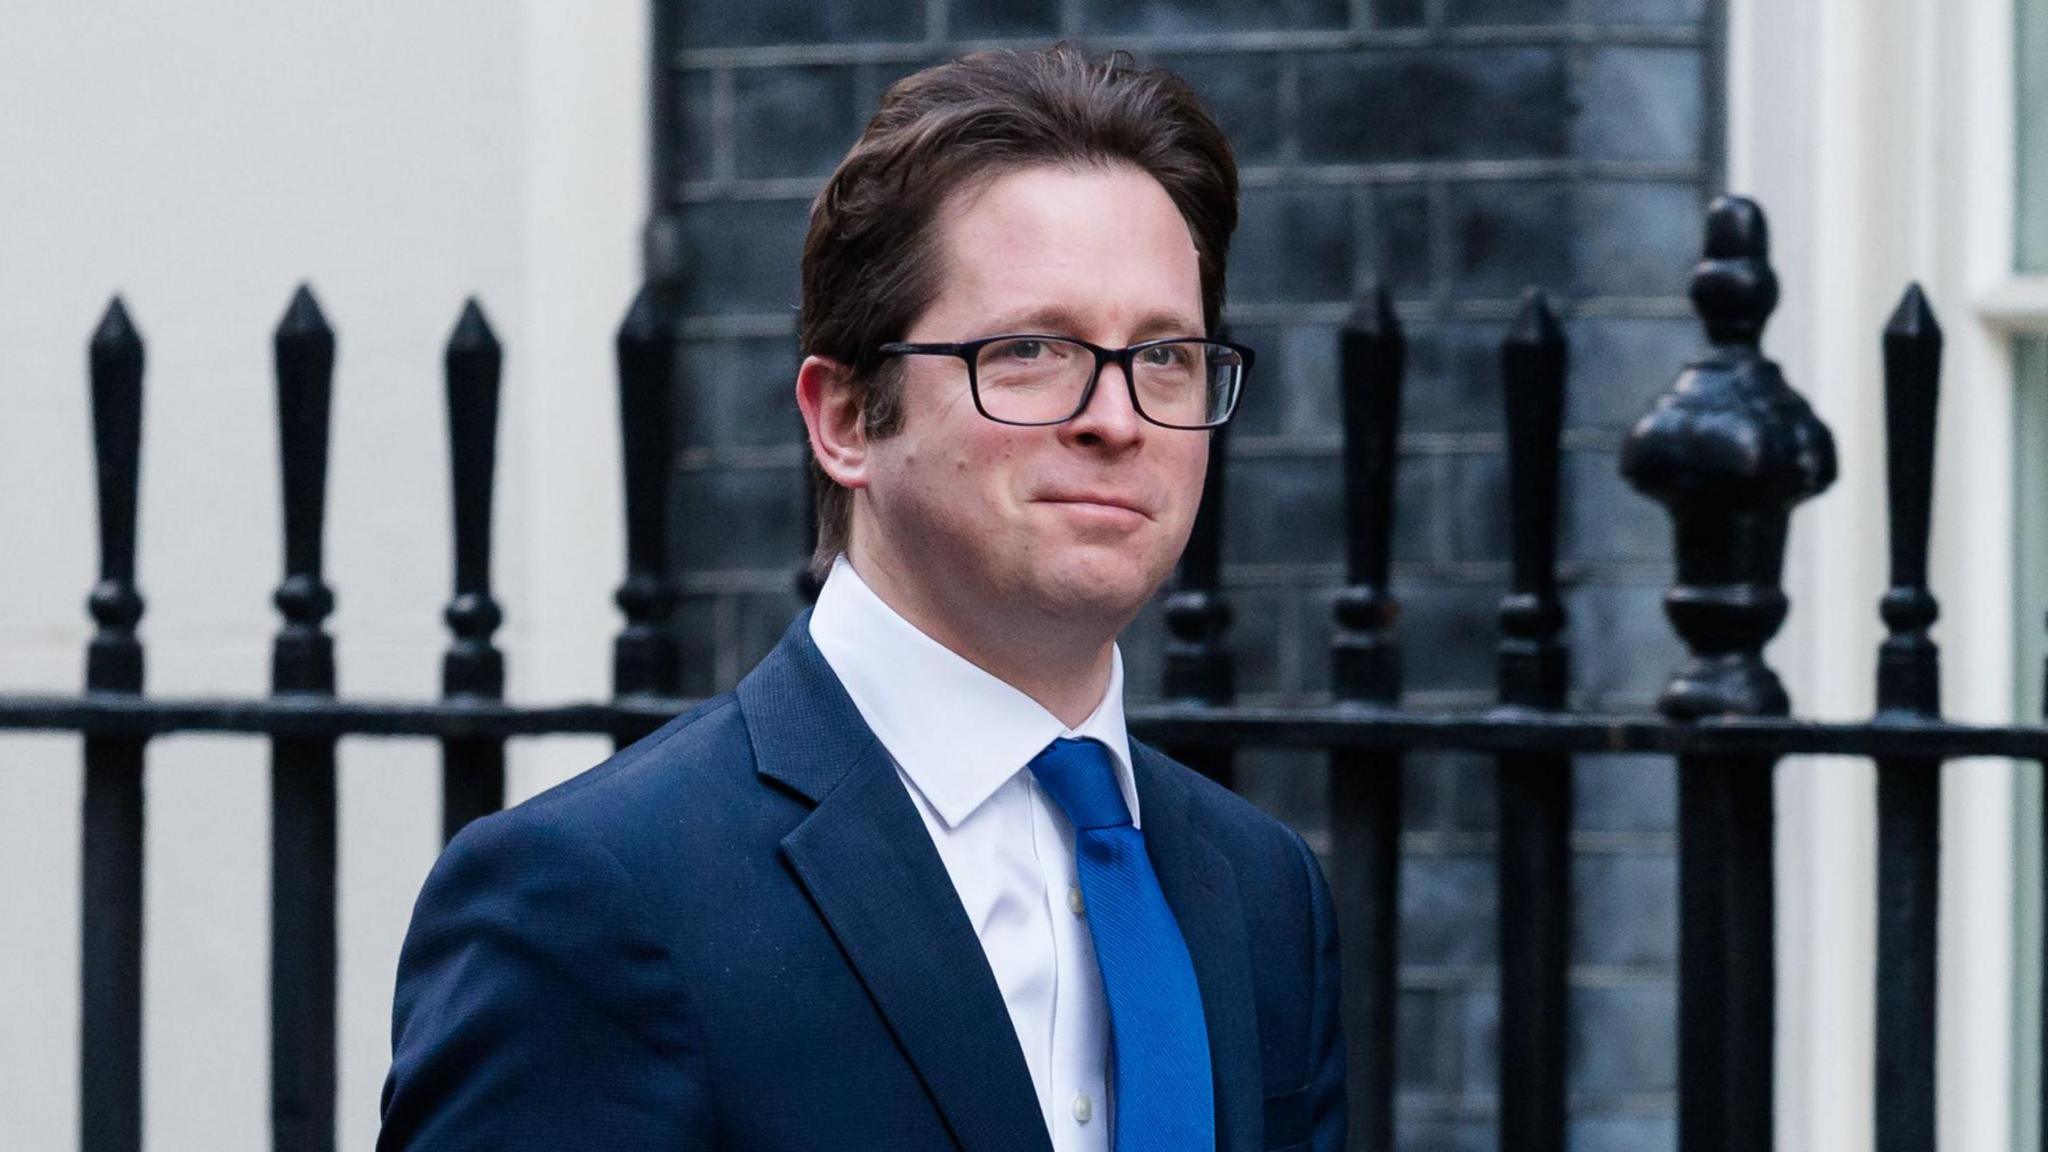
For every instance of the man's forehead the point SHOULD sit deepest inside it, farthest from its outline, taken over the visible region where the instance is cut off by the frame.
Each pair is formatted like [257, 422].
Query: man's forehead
[1022, 239]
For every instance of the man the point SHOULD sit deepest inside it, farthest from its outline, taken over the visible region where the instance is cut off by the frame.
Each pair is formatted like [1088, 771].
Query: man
[911, 886]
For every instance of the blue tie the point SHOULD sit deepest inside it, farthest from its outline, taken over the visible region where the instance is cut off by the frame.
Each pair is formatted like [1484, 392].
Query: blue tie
[1164, 1099]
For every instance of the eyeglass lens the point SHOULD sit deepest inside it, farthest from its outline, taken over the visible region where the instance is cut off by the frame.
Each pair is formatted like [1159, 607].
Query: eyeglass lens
[1038, 380]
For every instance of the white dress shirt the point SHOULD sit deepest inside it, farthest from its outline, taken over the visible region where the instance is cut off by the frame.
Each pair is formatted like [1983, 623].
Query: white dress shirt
[962, 741]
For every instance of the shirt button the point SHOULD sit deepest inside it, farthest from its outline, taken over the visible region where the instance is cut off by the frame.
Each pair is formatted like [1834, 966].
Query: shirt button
[1075, 904]
[1083, 1108]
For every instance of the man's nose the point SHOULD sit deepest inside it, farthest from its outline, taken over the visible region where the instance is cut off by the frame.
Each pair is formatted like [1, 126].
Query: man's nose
[1109, 416]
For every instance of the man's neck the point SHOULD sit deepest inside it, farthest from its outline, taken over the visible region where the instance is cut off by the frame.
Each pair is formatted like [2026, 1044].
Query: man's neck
[1065, 676]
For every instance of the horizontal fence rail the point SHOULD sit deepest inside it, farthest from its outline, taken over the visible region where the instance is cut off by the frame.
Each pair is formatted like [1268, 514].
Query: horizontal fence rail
[1730, 450]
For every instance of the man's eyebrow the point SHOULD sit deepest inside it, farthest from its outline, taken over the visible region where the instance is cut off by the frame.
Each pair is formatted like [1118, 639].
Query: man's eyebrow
[1058, 319]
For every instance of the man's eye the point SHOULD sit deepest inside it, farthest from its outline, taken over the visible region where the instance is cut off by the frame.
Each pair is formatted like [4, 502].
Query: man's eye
[1165, 356]
[1021, 349]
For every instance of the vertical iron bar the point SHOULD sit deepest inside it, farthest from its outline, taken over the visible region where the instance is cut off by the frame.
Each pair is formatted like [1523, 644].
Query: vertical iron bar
[472, 767]
[1730, 450]
[1908, 791]
[110, 956]
[302, 925]
[1200, 669]
[1365, 783]
[1534, 788]
[647, 656]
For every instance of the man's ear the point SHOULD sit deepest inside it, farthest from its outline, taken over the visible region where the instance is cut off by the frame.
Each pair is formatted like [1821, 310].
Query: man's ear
[832, 413]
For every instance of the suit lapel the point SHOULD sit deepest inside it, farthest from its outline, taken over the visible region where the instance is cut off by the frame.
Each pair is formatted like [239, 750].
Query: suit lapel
[868, 863]
[1201, 888]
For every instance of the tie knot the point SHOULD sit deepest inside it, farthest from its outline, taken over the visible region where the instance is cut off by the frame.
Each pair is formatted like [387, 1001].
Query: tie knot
[1081, 779]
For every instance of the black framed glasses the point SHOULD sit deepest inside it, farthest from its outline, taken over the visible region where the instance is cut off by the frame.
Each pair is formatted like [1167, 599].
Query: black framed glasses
[1032, 379]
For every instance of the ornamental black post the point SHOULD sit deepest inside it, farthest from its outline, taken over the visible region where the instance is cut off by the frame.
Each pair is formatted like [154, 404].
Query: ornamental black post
[1534, 788]
[1365, 783]
[1200, 669]
[472, 767]
[110, 955]
[1908, 790]
[647, 656]
[1730, 450]
[302, 845]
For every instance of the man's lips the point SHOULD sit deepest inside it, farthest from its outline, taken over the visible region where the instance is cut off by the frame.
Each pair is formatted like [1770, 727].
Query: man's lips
[1098, 500]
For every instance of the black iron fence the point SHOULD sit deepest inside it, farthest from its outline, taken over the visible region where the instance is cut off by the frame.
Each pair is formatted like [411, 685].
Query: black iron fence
[1730, 450]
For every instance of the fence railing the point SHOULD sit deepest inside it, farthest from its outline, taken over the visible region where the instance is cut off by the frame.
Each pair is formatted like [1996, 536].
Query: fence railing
[1730, 450]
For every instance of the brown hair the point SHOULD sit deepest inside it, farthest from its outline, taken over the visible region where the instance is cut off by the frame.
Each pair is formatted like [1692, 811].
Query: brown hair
[871, 260]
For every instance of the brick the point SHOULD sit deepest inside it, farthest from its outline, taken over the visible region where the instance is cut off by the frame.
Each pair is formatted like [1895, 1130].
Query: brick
[1620, 365]
[1292, 784]
[1436, 1133]
[695, 402]
[742, 255]
[1397, 13]
[1418, 1039]
[1604, 521]
[1641, 104]
[1425, 791]
[1279, 510]
[1623, 650]
[1293, 245]
[1142, 644]
[1633, 793]
[1395, 248]
[1637, 238]
[1242, 90]
[1507, 11]
[1474, 801]
[696, 625]
[697, 146]
[720, 24]
[1625, 910]
[1623, 1039]
[1623, 1132]
[1261, 621]
[1496, 103]
[1646, 11]
[1479, 1043]
[1453, 380]
[1450, 632]
[762, 621]
[1448, 909]
[1510, 236]
[755, 381]
[1169, 17]
[1292, 389]
[765, 503]
[1477, 504]
[993, 18]
[790, 122]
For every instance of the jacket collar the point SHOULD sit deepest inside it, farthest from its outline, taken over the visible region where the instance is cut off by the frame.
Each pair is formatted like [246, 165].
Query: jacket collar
[868, 863]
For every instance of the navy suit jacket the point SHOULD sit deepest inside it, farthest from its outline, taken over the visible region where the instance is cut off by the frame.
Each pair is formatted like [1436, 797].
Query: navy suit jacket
[737, 934]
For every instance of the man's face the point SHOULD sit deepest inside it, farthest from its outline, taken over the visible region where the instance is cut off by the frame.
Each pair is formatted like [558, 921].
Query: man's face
[1080, 521]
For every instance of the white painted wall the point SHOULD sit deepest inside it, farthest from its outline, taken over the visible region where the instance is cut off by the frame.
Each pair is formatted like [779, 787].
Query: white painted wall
[201, 159]
[1877, 134]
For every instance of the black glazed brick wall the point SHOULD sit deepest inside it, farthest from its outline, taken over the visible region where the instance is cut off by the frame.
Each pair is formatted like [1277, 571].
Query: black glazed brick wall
[1455, 151]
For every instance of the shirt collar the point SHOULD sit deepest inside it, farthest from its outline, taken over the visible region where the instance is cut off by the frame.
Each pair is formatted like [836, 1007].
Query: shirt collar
[956, 731]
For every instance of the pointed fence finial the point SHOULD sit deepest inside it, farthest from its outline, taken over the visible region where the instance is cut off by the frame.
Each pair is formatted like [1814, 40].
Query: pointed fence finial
[303, 658]
[1533, 666]
[1908, 666]
[1366, 660]
[472, 366]
[114, 658]
[472, 768]
[647, 656]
